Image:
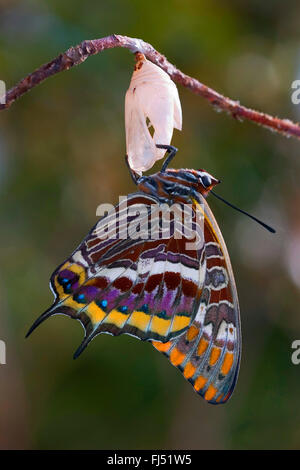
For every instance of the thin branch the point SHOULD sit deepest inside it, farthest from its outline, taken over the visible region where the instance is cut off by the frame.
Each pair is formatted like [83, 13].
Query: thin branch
[77, 55]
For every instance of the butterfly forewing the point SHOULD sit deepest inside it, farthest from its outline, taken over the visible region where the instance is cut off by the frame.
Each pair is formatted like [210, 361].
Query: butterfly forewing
[208, 353]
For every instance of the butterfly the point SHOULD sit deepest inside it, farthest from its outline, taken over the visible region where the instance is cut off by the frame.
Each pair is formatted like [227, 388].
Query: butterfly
[181, 298]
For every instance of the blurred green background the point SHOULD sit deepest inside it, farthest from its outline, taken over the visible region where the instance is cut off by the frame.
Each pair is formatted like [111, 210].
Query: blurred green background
[62, 153]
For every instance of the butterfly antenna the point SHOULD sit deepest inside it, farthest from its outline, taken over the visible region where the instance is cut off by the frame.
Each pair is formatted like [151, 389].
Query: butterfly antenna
[244, 212]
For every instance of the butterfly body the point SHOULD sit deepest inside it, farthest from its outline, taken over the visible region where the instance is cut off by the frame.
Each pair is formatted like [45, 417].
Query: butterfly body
[177, 185]
[181, 298]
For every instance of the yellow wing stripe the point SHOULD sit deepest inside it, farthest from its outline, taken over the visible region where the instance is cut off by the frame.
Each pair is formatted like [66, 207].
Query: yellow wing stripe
[198, 206]
[160, 325]
[180, 322]
[116, 318]
[95, 313]
[70, 302]
[140, 320]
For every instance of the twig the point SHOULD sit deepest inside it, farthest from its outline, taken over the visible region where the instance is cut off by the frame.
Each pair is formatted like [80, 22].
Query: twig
[77, 55]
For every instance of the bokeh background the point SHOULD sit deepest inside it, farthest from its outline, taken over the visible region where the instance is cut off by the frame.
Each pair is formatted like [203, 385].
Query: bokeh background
[61, 154]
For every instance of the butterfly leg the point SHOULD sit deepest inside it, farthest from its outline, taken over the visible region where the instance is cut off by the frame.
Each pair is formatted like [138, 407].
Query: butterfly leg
[195, 195]
[183, 191]
[171, 151]
[134, 176]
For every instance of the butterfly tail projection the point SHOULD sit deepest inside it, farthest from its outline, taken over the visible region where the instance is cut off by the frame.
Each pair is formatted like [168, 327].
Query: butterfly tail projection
[66, 280]
[84, 319]
[47, 314]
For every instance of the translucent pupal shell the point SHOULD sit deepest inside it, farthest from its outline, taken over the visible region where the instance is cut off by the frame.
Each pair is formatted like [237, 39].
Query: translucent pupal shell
[152, 111]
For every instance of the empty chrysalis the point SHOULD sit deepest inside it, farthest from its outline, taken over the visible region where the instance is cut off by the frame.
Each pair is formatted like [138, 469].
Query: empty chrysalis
[152, 111]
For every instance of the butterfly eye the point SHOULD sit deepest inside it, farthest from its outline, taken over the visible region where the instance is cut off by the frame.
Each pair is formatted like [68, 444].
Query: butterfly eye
[206, 181]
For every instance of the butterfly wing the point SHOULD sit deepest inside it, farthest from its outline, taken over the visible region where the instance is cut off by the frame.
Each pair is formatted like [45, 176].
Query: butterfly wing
[148, 288]
[208, 353]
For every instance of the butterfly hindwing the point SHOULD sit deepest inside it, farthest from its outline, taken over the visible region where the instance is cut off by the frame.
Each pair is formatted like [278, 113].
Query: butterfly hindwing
[208, 353]
[147, 288]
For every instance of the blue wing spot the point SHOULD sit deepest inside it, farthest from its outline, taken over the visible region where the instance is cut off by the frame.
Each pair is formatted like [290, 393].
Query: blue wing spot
[102, 304]
[144, 308]
[68, 288]
[162, 314]
[80, 298]
[123, 309]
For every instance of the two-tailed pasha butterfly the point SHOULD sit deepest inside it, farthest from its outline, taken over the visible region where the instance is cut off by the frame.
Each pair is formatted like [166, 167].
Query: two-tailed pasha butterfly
[182, 300]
